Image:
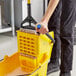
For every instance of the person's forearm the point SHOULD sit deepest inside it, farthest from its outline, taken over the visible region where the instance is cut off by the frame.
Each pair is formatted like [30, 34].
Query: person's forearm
[51, 7]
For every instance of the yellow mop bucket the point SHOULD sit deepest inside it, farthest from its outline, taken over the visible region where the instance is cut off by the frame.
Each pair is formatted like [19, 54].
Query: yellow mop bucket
[10, 67]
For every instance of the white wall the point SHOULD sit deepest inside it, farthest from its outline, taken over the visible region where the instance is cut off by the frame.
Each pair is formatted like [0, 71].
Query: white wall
[37, 9]
[0, 17]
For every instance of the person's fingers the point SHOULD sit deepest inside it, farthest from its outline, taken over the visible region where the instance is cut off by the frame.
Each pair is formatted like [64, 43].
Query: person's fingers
[45, 30]
[42, 30]
[37, 30]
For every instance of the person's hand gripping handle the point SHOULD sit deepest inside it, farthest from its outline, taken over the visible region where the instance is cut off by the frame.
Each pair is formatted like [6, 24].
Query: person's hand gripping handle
[39, 26]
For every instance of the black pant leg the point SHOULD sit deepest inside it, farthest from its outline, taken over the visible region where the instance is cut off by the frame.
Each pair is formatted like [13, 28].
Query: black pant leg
[54, 25]
[67, 24]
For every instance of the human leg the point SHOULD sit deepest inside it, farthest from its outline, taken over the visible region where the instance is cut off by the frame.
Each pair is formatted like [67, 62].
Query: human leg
[66, 32]
[54, 25]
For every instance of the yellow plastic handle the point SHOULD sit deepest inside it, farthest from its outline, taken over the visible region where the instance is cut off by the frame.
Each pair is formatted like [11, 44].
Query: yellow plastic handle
[29, 2]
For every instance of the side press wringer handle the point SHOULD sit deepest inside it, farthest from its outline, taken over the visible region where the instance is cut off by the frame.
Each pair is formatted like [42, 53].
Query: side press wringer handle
[39, 26]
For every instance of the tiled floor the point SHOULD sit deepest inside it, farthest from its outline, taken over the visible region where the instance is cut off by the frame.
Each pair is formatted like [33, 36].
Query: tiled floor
[8, 46]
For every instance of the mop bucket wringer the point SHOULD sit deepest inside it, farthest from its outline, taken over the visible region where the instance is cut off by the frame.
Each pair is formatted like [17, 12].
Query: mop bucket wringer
[33, 49]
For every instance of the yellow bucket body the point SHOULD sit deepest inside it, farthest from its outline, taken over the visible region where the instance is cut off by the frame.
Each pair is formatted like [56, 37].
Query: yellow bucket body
[10, 67]
[34, 51]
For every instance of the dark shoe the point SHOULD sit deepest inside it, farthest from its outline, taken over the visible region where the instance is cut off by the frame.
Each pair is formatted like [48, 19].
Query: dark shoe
[52, 67]
[65, 74]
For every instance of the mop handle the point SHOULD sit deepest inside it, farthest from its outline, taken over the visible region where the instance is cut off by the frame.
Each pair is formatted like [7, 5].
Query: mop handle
[29, 1]
[48, 35]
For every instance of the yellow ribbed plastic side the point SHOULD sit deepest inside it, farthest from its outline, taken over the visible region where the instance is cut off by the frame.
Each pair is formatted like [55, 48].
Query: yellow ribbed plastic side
[28, 64]
[27, 43]
[34, 45]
